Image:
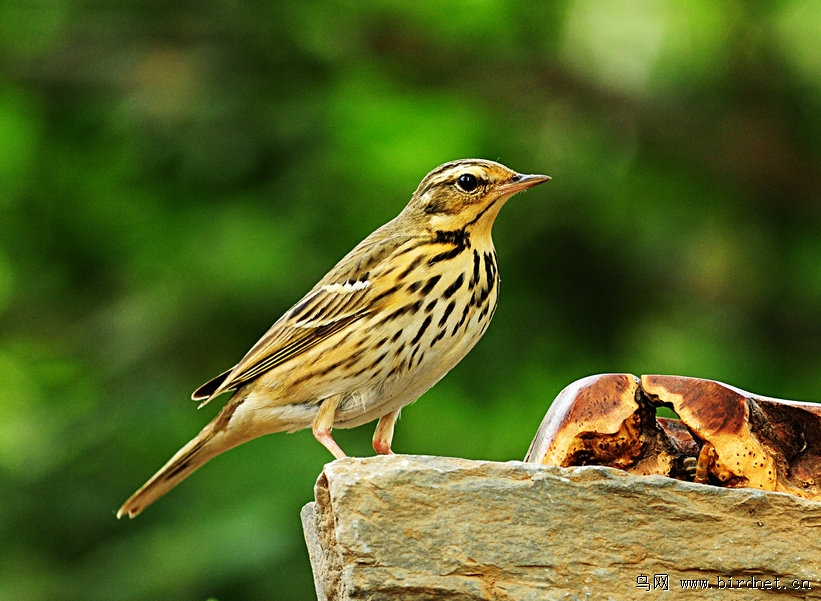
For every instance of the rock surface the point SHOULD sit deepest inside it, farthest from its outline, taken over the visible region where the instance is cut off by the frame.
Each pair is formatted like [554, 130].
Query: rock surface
[413, 528]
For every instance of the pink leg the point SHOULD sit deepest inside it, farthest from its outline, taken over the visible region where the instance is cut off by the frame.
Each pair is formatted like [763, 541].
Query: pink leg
[323, 424]
[383, 435]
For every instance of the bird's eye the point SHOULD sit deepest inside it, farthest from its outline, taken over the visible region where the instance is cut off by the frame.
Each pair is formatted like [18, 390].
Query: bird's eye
[467, 182]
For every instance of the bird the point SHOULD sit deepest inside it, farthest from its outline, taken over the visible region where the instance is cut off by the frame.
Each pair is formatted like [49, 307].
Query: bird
[382, 327]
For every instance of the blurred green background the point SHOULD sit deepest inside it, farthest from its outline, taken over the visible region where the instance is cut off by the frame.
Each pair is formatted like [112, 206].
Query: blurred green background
[175, 175]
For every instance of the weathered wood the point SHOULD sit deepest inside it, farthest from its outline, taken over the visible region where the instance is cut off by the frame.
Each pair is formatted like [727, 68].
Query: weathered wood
[413, 528]
[724, 436]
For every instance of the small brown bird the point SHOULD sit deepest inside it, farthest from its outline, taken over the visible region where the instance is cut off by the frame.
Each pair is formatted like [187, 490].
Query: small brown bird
[382, 327]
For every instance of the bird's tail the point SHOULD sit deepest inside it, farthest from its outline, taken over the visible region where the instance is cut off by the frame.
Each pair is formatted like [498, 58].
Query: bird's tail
[217, 437]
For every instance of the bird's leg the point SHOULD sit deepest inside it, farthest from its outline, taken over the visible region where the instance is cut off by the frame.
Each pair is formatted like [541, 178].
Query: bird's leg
[324, 423]
[383, 435]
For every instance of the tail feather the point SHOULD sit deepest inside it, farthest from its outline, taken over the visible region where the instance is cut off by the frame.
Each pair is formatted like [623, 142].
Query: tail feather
[232, 426]
[184, 463]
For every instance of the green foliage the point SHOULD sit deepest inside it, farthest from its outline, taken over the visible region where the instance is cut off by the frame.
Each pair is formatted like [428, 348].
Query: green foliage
[173, 177]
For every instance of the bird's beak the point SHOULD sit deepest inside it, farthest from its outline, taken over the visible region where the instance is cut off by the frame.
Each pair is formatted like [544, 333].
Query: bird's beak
[523, 182]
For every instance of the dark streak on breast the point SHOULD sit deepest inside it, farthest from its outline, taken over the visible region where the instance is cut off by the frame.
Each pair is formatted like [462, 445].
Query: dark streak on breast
[411, 308]
[460, 239]
[422, 329]
[378, 360]
[431, 283]
[413, 265]
[490, 269]
[439, 336]
[448, 310]
[446, 256]
[457, 283]
[461, 320]
[475, 279]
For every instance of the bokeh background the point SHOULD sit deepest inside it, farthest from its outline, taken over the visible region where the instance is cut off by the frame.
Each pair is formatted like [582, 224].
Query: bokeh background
[175, 175]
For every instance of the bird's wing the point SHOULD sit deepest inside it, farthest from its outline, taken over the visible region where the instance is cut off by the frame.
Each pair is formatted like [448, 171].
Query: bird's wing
[341, 298]
[320, 314]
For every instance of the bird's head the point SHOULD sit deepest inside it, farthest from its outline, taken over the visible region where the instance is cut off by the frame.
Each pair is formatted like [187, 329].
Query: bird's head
[466, 193]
